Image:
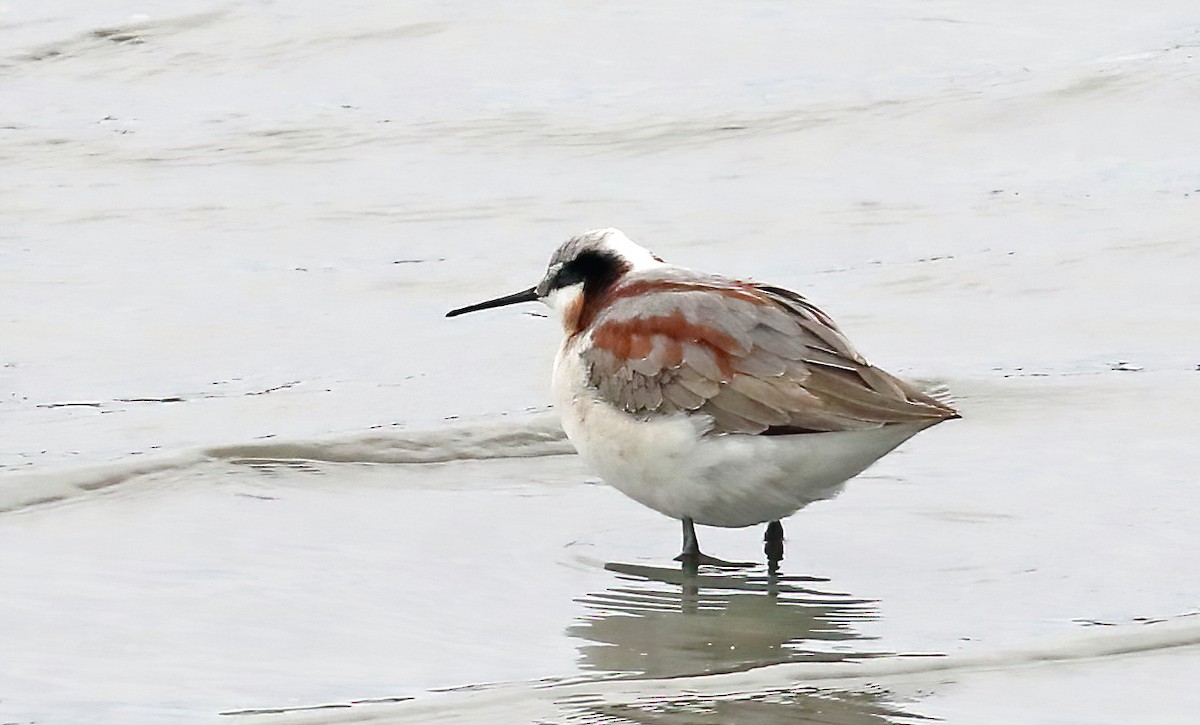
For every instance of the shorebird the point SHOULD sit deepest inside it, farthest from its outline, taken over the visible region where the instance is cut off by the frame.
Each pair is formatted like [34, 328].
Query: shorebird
[712, 400]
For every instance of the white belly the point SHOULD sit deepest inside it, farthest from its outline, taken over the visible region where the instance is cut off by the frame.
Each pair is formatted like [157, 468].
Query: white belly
[723, 480]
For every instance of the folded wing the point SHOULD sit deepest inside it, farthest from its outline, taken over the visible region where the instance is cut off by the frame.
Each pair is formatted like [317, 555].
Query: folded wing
[755, 359]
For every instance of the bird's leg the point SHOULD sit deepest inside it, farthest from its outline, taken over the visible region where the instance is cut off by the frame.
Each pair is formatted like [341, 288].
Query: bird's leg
[773, 546]
[691, 556]
[691, 547]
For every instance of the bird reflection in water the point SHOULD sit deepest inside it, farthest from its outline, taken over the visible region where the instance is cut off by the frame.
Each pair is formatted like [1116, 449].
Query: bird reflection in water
[663, 623]
[790, 706]
[658, 622]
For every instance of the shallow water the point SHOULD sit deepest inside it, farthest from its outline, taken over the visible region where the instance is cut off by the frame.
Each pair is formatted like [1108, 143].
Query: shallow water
[247, 467]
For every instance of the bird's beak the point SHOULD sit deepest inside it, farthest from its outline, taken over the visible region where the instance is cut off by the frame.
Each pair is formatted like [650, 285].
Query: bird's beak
[529, 295]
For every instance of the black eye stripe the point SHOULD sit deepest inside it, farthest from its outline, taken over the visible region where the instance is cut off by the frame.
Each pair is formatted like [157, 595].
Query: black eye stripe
[567, 276]
[591, 268]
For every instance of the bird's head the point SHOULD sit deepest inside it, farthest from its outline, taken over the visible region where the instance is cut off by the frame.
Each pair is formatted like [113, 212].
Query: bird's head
[583, 268]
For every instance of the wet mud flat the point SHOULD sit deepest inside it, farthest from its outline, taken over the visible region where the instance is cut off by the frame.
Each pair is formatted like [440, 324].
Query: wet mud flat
[957, 579]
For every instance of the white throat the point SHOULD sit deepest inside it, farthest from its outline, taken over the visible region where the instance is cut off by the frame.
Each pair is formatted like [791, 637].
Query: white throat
[564, 298]
[566, 302]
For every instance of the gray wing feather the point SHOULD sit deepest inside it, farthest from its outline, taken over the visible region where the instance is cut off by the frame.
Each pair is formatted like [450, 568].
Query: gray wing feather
[727, 422]
[702, 360]
[731, 400]
[681, 397]
[699, 384]
[761, 364]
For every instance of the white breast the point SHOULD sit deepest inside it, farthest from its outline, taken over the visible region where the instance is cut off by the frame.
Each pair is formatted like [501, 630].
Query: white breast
[725, 480]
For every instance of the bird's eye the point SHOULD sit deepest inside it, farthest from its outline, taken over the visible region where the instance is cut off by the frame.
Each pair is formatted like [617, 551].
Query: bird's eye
[568, 275]
[595, 270]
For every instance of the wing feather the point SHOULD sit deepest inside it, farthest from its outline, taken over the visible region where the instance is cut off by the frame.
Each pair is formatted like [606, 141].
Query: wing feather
[699, 384]
[761, 364]
[756, 359]
[765, 392]
[725, 421]
[681, 397]
[702, 359]
[645, 366]
[790, 347]
[740, 404]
